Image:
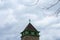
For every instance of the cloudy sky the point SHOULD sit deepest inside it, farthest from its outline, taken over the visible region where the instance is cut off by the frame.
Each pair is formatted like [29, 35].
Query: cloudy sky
[15, 15]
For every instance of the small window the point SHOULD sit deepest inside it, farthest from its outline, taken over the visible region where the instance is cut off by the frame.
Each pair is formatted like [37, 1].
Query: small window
[26, 32]
[32, 33]
[23, 33]
[37, 33]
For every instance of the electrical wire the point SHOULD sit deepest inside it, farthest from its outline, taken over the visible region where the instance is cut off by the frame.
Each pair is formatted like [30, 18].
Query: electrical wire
[54, 4]
[33, 4]
[57, 12]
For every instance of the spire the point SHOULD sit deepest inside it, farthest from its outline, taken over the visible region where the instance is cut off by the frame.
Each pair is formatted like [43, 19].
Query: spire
[30, 27]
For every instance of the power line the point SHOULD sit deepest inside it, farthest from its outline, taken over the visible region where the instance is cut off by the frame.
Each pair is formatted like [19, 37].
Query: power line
[57, 12]
[54, 4]
[33, 4]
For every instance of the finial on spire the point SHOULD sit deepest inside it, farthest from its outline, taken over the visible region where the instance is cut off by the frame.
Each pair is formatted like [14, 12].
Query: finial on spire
[29, 21]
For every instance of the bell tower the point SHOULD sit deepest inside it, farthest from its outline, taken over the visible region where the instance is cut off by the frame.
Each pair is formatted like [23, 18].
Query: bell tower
[30, 33]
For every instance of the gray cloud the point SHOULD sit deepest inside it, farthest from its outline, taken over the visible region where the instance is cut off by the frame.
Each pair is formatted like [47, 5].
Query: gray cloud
[14, 16]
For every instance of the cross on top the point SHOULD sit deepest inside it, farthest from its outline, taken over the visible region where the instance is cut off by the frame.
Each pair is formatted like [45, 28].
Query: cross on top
[29, 21]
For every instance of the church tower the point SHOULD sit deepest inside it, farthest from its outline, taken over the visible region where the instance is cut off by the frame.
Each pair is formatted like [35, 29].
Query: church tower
[30, 33]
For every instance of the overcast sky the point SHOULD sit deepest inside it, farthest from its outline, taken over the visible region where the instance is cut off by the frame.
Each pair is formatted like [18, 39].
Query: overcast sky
[15, 15]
